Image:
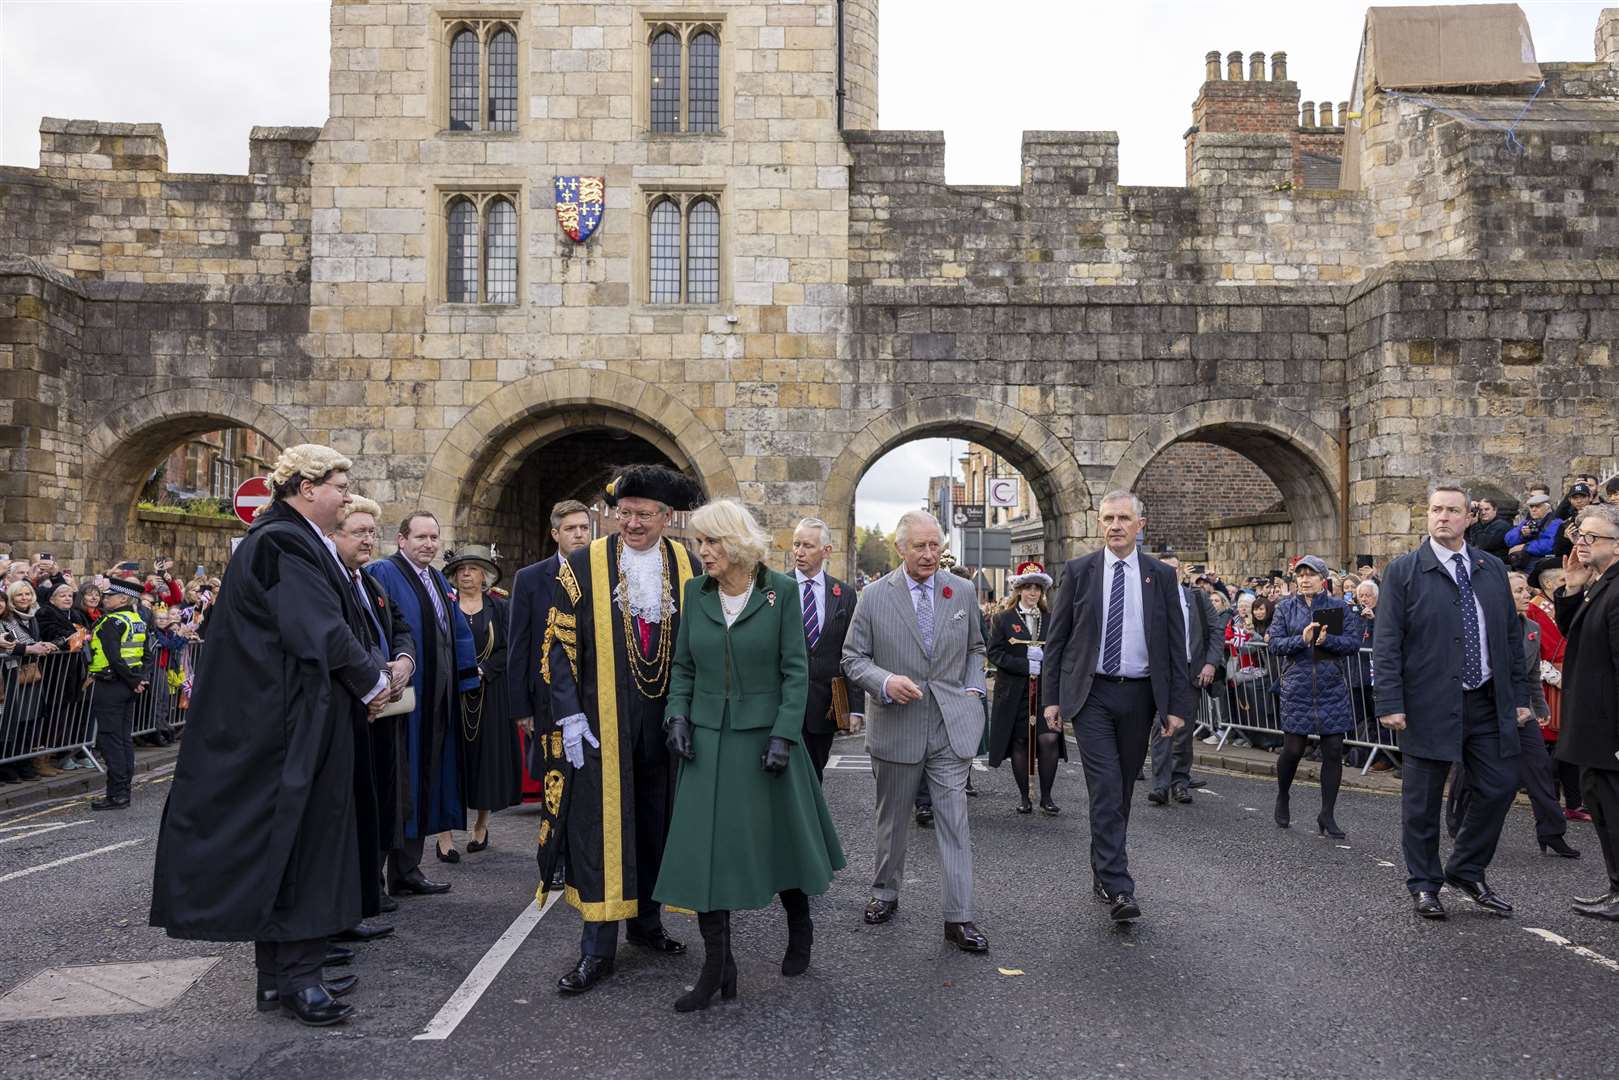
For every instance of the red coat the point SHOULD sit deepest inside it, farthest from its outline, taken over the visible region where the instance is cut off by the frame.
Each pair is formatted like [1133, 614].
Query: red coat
[1552, 644]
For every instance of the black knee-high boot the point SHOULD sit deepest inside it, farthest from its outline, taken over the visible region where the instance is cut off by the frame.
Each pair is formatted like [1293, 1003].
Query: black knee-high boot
[800, 932]
[719, 969]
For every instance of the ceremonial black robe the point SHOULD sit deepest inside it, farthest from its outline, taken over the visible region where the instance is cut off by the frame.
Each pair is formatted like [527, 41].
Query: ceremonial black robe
[260, 837]
[588, 815]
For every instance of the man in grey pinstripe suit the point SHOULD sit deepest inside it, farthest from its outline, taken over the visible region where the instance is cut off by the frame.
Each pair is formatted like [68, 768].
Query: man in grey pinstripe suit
[917, 649]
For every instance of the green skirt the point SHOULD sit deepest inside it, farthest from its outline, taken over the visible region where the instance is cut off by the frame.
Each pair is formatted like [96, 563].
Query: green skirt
[739, 836]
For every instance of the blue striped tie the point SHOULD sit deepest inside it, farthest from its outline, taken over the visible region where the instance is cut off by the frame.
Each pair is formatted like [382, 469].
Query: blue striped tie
[812, 629]
[1113, 641]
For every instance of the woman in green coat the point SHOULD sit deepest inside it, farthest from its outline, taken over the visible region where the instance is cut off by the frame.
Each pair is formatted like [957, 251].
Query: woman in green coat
[749, 822]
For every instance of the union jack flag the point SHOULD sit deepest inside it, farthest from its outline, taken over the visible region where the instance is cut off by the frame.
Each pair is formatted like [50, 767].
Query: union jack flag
[580, 202]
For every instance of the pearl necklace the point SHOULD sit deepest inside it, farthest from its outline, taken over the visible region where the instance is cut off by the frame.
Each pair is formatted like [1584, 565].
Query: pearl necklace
[732, 606]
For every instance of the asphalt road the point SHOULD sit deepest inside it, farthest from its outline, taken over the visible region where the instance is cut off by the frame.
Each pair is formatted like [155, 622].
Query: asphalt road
[1262, 954]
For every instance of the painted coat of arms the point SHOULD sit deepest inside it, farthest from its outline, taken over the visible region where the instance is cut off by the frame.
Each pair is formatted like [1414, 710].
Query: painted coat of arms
[580, 202]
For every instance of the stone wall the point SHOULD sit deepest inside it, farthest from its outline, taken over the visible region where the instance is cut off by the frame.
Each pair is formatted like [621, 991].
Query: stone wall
[1243, 547]
[1191, 485]
[192, 540]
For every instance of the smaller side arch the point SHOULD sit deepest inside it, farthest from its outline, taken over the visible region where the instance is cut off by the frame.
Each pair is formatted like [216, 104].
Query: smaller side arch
[1299, 456]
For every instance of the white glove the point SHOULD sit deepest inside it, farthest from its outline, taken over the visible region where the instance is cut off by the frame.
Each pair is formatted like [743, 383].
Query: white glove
[1034, 666]
[575, 733]
[1036, 654]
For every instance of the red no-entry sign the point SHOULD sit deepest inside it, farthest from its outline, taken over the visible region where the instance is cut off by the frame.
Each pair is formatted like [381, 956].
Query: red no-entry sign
[254, 493]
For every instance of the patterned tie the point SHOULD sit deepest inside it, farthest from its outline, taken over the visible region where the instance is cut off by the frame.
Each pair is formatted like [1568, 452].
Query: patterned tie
[812, 628]
[432, 592]
[1473, 672]
[1113, 642]
[924, 617]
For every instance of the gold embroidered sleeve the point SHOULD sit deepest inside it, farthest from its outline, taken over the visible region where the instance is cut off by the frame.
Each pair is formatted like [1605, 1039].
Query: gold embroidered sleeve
[564, 628]
[569, 583]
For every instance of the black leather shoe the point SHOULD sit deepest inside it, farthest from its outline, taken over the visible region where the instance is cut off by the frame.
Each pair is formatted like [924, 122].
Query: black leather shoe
[1181, 793]
[1195, 784]
[965, 936]
[363, 931]
[474, 846]
[1101, 893]
[1609, 911]
[658, 941]
[1559, 845]
[1158, 797]
[880, 911]
[1125, 908]
[924, 817]
[1598, 901]
[1049, 808]
[1024, 807]
[387, 903]
[315, 1006]
[451, 856]
[587, 973]
[109, 803]
[417, 885]
[337, 956]
[1480, 893]
[341, 986]
[1428, 905]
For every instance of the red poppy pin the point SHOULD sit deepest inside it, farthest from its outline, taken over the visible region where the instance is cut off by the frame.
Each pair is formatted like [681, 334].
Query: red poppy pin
[379, 603]
[1017, 628]
[947, 592]
[837, 590]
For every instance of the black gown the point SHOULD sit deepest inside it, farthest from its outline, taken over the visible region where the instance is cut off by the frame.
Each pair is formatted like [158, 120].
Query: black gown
[1008, 650]
[492, 777]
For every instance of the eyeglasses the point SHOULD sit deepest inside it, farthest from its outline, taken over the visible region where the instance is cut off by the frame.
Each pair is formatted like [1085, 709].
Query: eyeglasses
[639, 516]
[342, 488]
[1591, 537]
[364, 534]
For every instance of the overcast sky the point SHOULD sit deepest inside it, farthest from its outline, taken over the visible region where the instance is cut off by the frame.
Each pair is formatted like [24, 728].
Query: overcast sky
[209, 70]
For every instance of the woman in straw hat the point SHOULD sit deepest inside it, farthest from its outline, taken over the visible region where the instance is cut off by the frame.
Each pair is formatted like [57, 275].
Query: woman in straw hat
[489, 758]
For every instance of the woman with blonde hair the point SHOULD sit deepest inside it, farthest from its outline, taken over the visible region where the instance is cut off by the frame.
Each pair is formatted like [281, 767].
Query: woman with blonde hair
[749, 822]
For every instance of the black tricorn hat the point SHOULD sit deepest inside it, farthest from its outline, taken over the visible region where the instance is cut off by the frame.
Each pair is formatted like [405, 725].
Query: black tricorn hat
[675, 490]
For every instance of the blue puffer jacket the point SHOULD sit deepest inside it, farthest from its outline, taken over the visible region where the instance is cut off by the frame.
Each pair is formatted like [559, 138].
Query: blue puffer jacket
[1315, 695]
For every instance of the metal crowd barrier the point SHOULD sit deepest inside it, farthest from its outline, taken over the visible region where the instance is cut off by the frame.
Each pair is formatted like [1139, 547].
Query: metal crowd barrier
[161, 710]
[50, 715]
[1251, 703]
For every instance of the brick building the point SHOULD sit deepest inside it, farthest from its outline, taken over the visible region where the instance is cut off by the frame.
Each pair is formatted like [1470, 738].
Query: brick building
[778, 292]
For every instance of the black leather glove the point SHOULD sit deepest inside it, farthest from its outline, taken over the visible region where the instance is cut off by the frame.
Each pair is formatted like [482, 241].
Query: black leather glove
[677, 737]
[774, 761]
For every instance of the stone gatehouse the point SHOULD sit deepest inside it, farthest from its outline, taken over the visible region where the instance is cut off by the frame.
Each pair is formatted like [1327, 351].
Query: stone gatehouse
[779, 291]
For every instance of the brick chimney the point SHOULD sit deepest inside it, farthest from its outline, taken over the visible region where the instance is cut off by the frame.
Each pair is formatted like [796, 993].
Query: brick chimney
[1267, 106]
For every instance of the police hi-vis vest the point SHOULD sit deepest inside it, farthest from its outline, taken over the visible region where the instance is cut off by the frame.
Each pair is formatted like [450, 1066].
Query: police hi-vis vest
[132, 649]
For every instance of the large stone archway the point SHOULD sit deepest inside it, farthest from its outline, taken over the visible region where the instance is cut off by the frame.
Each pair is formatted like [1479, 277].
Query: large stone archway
[1028, 446]
[121, 451]
[1300, 457]
[484, 452]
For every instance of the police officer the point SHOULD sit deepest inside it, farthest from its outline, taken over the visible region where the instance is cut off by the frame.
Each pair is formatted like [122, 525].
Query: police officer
[117, 664]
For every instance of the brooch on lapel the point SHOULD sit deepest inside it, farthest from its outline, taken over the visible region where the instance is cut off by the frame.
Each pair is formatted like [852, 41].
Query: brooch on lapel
[1017, 628]
[380, 604]
[947, 593]
[837, 590]
[770, 597]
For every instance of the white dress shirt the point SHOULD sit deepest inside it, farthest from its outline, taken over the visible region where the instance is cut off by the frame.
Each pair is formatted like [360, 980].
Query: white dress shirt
[1444, 555]
[1186, 619]
[818, 590]
[1133, 663]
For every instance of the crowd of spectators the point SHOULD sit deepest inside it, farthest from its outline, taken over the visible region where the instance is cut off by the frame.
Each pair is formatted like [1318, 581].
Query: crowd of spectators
[47, 613]
[1532, 536]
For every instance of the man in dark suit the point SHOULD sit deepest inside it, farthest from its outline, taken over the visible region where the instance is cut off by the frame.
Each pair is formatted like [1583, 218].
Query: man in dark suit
[379, 755]
[1205, 649]
[828, 606]
[1450, 679]
[1588, 615]
[1115, 661]
[532, 597]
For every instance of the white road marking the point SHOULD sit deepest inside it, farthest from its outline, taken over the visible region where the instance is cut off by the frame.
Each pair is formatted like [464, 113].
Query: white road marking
[15, 874]
[1578, 950]
[39, 830]
[1385, 863]
[1208, 791]
[478, 980]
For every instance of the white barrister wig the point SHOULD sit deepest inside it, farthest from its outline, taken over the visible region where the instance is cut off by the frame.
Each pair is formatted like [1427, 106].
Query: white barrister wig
[359, 504]
[311, 461]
